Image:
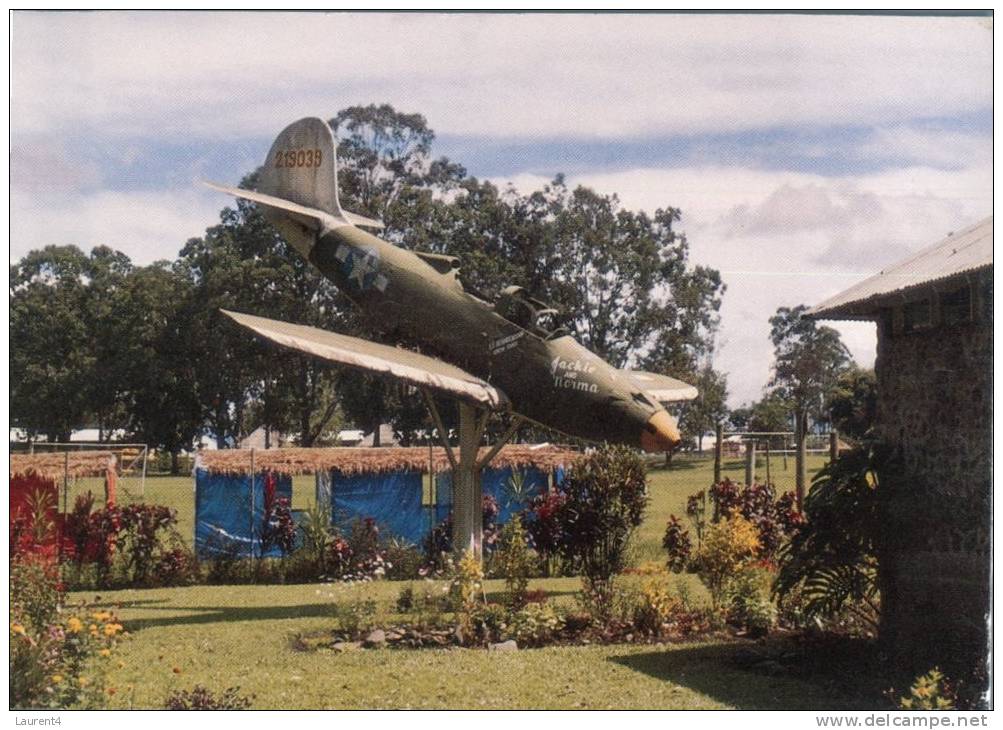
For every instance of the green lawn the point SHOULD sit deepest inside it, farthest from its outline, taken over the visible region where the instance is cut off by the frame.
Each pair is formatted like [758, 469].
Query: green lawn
[241, 635]
[669, 489]
[222, 636]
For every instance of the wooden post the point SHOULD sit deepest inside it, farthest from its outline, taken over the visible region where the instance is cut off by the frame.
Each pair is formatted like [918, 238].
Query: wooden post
[801, 462]
[769, 480]
[833, 446]
[750, 461]
[718, 451]
[250, 542]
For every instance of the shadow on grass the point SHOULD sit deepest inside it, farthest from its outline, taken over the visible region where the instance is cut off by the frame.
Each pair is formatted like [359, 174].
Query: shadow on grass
[193, 615]
[723, 672]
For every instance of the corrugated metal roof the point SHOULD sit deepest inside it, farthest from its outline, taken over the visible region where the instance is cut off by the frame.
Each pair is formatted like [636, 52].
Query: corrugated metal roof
[961, 252]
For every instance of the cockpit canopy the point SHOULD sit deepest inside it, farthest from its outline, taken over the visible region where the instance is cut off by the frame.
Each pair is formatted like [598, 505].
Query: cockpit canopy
[515, 305]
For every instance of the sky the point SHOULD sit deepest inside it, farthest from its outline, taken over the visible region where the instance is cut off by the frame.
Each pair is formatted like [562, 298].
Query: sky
[805, 152]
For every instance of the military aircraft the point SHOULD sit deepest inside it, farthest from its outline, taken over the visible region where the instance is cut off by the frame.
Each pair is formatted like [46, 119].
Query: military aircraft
[502, 355]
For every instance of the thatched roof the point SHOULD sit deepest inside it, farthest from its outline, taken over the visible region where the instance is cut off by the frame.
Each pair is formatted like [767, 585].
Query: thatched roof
[55, 465]
[372, 460]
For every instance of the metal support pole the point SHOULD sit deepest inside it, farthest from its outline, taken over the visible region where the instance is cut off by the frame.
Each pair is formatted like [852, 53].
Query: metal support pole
[467, 520]
[718, 452]
[750, 462]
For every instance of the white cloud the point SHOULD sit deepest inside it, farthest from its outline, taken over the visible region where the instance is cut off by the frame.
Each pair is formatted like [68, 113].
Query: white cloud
[516, 75]
[148, 225]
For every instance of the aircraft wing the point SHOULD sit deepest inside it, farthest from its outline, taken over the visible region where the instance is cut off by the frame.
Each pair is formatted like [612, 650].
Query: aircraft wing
[406, 365]
[661, 387]
[310, 217]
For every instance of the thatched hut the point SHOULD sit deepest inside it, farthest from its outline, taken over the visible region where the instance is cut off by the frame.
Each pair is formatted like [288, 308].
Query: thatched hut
[35, 483]
[406, 490]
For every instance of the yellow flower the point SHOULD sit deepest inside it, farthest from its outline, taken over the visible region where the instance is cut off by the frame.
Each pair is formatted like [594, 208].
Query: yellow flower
[92, 628]
[82, 681]
[101, 616]
[74, 625]
[57, 678]
[17, 629]
[105, 652]
[112, 629]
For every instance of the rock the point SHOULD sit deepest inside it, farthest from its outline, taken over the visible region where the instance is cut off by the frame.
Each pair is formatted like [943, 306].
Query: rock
[509, 645]
[394, 635]
[340, 646]
[376, 638]
[457, 636]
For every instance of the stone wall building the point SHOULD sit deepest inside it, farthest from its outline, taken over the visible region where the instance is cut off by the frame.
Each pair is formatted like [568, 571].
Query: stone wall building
[934, 374]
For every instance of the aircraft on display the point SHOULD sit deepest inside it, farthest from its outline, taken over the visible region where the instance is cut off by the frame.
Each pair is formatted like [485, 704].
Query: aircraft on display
[505, 355]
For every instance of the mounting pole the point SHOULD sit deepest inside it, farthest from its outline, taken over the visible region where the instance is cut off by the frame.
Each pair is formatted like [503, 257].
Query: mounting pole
[468, 525]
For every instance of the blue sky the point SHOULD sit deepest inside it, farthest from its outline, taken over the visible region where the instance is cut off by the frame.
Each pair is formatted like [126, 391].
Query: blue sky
[805, 152]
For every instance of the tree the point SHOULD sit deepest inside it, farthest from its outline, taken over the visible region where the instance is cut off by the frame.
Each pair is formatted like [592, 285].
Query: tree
[852, 404]
[808, 360]
[703, 414]
[159, 362]
[242, 264]
[51, 358]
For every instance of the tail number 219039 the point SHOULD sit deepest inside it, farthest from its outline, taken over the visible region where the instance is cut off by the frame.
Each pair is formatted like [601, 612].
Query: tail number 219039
[298, 158]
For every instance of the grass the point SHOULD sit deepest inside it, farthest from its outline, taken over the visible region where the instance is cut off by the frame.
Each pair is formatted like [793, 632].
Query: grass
[226, 636]
[222, 636]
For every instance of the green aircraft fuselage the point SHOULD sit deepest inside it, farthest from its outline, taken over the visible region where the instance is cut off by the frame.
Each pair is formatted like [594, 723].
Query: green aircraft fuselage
[416, 298]
[549, 377]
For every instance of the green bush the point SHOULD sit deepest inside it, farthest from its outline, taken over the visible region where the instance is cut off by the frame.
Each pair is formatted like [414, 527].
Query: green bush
[728, 547]
[830, 562]
[534, 625]
[605, 498]
[513, 560]
[748, 601]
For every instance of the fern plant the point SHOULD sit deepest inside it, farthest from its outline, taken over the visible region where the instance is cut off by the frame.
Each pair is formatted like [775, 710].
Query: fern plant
[831, 559]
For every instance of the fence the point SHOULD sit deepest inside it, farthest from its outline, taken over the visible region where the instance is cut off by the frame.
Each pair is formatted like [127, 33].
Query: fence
[772, 444]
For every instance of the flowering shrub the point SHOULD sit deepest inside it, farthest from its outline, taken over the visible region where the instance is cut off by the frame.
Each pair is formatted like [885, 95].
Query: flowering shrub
[930, 691]
[728, 547]
[535, 624]
[775, 518]
[279, 528]
[55, 661]
[543, 526]
[655, 607]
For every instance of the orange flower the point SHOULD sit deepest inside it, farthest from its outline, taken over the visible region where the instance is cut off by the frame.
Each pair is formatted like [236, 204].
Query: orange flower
[105, 652]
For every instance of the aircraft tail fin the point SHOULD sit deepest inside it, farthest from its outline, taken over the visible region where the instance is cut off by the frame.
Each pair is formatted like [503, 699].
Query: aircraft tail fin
[302, 168]
[298, 187]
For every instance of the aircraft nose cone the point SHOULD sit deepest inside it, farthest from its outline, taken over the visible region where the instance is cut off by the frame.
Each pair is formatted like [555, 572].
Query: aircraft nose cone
[660, 433]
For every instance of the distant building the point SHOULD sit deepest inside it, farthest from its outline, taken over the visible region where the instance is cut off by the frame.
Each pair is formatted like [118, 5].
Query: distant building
[934, 377]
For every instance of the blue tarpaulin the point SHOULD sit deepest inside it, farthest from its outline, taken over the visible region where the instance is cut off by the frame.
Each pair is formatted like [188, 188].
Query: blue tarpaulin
[393, 499]
[498, 484]
[228, 518]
